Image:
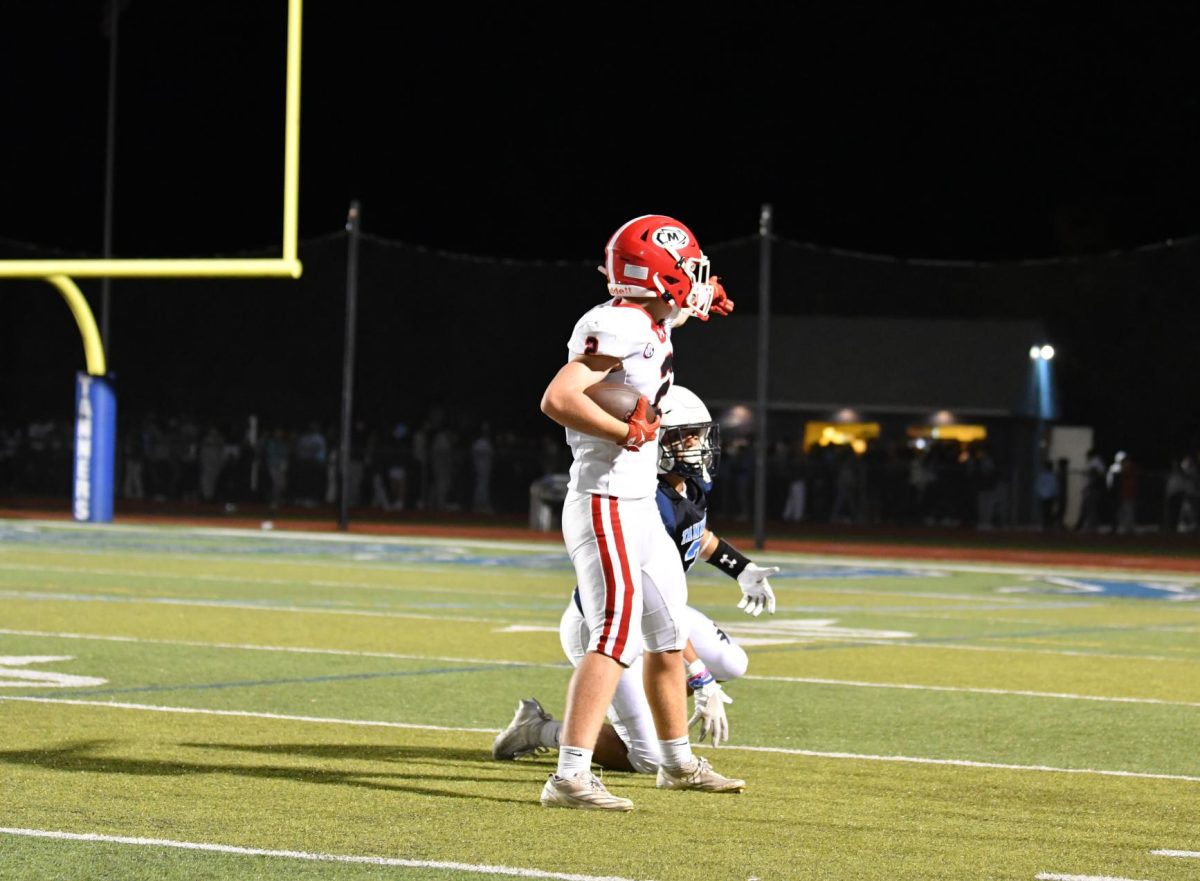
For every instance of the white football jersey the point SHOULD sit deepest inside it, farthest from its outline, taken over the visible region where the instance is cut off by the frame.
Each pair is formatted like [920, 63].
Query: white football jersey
[623, 330]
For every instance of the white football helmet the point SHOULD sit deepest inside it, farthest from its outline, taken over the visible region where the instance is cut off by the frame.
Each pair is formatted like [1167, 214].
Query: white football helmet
[689, 439]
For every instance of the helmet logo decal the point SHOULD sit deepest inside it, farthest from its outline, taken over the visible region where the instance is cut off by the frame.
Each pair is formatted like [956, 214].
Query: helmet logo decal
[671, 237]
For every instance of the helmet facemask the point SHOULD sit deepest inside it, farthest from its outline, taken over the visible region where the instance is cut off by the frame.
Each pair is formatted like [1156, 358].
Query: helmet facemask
[700, 292]
[691, 450]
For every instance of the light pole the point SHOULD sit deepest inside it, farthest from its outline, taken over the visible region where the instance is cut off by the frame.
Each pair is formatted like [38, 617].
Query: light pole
[1040, 357]
[111, 27]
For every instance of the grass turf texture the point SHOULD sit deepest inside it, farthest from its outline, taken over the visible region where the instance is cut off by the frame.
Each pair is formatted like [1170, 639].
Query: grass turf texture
[425, 634]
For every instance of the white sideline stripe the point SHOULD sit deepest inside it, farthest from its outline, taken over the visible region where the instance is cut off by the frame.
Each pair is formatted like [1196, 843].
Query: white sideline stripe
[962, 763]
[1017, 650]
[303, 650]
[917, 760]
[1183, 854]
[272, 582]
[200, 711]
[477, 868]
[39, 596]
[923, 563]
[278, 534]
[367, 565]
[970, 690]
[1054, 876]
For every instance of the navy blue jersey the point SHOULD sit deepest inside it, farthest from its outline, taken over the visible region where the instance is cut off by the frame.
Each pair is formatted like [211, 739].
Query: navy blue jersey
[685, 515]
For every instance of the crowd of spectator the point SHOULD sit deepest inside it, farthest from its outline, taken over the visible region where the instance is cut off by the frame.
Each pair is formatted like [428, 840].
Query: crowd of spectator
[938, 483]
[460, 464]
[438, 465]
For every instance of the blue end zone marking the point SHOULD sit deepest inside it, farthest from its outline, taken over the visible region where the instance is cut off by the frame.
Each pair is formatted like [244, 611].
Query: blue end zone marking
[251, 683]
[1140, 590]
[1113, 587]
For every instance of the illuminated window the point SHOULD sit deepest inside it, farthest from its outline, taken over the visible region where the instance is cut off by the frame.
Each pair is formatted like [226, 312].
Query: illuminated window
[964, 434]
[854, 434]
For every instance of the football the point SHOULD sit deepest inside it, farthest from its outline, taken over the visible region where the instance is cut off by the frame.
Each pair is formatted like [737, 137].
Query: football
[616, 400]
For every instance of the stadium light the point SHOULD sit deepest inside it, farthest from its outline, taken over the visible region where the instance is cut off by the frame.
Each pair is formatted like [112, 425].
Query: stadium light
[1041, 353]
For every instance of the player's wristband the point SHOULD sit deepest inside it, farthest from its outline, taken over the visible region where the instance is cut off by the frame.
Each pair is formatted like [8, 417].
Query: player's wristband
[698, 675]
[728, 559]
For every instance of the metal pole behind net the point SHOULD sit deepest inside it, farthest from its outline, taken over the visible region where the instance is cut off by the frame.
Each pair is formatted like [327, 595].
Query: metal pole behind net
[764, 331]
[353, 221]
[113, 22]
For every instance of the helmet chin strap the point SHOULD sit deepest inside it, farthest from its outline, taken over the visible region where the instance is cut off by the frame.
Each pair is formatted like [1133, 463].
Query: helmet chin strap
[675, 310]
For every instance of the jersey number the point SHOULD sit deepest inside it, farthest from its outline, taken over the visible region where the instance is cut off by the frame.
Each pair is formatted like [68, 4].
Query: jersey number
[668, 375]
[693, 551]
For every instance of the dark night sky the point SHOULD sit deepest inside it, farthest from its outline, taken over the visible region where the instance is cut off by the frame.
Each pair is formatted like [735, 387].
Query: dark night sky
[953, 135]
[968, 133]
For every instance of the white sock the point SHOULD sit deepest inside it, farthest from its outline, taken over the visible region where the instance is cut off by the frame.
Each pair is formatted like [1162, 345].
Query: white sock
[676, 753]
[550, 733]
[573, 760]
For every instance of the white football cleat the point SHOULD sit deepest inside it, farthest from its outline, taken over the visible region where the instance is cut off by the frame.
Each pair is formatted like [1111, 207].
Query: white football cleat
[583, 791]
[523, 734]
[698, 775]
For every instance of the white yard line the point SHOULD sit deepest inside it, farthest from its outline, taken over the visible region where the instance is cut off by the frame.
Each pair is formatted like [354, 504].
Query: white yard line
[808, 680]
[967, 690]
[804, 680]
[301, 650]
[962, 763]
[200, 711]
[477, 868]
[1181, 854]
[1054, 876]
[995, 602]
[917, 760]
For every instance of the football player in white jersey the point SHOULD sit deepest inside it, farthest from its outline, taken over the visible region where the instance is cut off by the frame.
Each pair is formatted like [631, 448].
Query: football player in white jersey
[688, 461]
[631, 582]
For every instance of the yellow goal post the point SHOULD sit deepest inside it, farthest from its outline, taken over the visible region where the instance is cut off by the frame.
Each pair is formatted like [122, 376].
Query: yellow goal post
[95, 407]
[61, 273]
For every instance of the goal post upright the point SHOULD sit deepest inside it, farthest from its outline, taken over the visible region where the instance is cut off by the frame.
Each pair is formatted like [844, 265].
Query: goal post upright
[95, 414]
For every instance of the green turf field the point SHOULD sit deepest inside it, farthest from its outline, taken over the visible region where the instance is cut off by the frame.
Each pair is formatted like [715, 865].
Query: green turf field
[201, 703]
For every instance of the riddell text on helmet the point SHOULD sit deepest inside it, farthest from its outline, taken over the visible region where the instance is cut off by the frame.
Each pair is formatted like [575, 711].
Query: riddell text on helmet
[627, 290]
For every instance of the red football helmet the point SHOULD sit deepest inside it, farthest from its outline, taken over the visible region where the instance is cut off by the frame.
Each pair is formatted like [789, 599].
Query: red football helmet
[657, 256]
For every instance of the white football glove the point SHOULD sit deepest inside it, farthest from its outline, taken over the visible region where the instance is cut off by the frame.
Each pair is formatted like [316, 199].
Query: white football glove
[710, 700]
[756, 590]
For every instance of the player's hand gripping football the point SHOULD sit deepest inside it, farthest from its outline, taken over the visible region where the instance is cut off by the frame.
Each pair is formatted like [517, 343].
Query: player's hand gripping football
[756, 590]
[643, 425]
[710, 700]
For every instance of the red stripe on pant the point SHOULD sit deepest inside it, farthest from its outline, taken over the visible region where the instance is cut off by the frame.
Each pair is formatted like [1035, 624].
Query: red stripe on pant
[610, 586]
[619, 539]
